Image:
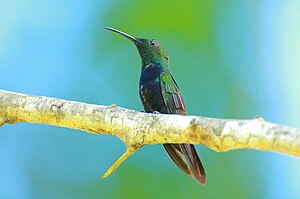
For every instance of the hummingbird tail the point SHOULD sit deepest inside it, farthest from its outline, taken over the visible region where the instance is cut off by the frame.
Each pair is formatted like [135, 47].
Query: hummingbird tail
[194, 162]
[192, 166]
[175, 153]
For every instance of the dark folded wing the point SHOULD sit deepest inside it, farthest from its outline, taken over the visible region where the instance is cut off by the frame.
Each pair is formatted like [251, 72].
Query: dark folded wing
[180, 152]
[171, 94]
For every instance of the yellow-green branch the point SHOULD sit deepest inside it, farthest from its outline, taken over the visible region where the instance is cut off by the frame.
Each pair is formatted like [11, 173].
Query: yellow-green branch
[136, 129]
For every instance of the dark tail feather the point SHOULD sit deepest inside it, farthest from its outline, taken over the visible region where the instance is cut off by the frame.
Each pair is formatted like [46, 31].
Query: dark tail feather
[194, 167]
[194, 162]
[175, 153]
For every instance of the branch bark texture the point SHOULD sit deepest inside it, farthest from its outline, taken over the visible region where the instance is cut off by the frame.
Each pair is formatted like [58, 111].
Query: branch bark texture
[136, 129]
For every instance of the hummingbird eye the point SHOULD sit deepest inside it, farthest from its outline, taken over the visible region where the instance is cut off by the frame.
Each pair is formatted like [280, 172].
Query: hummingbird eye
[153, 43]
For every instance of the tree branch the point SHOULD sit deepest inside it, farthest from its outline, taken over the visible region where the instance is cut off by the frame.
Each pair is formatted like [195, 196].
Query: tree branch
[136, 129]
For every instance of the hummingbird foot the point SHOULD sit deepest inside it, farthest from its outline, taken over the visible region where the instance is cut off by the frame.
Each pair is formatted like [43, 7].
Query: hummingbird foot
[156, 112]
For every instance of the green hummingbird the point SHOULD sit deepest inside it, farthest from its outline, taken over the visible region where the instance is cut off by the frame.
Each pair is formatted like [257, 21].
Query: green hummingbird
[159, 92]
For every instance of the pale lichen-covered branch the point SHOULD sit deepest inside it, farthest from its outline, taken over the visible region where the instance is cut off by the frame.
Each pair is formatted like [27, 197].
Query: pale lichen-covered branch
[136, 129]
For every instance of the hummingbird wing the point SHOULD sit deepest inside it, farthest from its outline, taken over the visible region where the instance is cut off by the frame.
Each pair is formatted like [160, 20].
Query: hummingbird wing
[183, 155]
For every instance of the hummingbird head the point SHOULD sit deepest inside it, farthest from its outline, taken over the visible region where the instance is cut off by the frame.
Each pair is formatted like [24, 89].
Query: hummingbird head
[150, 50]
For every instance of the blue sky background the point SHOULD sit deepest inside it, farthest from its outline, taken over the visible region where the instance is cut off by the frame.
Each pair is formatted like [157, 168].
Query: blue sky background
[232, 59]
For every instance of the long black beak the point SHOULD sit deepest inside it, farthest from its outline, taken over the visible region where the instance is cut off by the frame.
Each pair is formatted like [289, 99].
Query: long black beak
[135, 40]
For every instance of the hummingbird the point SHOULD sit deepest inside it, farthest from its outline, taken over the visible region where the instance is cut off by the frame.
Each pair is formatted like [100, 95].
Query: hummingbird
[159, 92]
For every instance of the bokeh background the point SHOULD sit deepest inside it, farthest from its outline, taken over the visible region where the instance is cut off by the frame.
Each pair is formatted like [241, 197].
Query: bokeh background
[232, 59]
